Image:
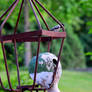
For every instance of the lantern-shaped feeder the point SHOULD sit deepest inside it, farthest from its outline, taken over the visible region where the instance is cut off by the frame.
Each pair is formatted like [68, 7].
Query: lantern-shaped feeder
[38, 36]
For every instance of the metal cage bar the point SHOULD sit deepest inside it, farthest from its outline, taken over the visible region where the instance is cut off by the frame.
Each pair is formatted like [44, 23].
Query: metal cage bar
[51, 15]
[7, 10]
[3, 85]
[38, 49]
[35, 15]
[54, 74]
[36, 36]
[49, 43]
[40, 15]
[18, 17]
[6, 66]
[9, 90]
[2, 25]
[16, 58]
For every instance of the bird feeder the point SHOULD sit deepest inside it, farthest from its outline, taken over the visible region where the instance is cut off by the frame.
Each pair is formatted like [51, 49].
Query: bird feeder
[40, 35]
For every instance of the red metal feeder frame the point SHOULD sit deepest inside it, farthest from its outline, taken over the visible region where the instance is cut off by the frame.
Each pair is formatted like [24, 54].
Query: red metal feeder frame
[33, 36]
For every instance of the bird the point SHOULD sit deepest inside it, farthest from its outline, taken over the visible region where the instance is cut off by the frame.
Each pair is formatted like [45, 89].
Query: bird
[46, 66]
[56, 28]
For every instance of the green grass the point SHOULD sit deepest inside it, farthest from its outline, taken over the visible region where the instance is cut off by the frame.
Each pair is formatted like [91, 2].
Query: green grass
[71, 81]
[76, 82]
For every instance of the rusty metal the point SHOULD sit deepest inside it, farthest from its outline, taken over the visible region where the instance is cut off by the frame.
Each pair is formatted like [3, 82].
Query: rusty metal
[7, 10]
[30, 39]
[49, 42]
[16, 58]
[35, 72]
[54, 74]
[2, 25]
[38, 36]
[33, 35]
[41, 15]
[62, 26]
[9, 90]
[3, 85]
[35, 14]
[18, 17]
[6, 66]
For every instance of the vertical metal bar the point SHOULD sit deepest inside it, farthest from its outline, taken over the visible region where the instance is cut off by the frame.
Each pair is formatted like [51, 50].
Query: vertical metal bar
[61, 48]
[49, 44]
[6, 89]
[7, 10]
[40, 15]
[1, 83]
[16, 54]
[18, 17]
[9, 14]
[6, 66]
[35, 72]
[35, 15]
[62, 42]
[51, 15]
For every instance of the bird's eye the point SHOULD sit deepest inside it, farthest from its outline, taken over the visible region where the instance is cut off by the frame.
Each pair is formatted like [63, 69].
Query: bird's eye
[55, 61]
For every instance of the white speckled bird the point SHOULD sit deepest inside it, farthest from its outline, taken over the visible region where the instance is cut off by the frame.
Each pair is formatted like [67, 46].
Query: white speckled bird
[46, 66]
[56, 28]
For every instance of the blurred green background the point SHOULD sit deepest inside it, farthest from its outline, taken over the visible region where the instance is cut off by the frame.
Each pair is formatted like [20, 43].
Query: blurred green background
[76, 15]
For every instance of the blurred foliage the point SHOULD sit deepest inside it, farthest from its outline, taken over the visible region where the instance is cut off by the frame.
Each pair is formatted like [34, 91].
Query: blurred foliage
[76, 15]
[85, 33]
[73, 55]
